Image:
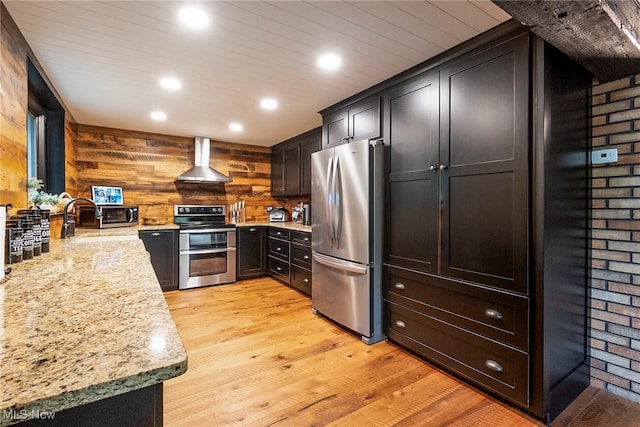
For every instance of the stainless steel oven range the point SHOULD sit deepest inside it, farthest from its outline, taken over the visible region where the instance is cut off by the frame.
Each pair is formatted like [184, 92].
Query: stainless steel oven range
[207, 246]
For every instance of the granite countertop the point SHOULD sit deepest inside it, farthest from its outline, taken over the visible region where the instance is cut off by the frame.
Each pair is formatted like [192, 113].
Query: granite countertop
[84, 322]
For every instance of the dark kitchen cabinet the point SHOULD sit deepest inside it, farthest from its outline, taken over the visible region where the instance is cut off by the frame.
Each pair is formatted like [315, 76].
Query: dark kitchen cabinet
[291, 164]
[291, 178]
[251, 252]
[277, 170]
[485, 253]
[360, 120]
[162, 246]
[412, 114]
[278, 245]
[289, 257]
[484, 158]
[301, 261]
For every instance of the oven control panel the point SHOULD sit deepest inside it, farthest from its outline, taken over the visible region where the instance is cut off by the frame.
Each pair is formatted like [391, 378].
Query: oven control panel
[198, 210]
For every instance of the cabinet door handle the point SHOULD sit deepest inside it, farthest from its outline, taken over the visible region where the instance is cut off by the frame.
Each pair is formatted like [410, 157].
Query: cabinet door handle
[443, 167]
[155, 234]
[400, 324]
[306, 280]
[432, 167]
[493, 365]
[306, 239]
[279, 268]
[278, 233]
[278, 249]
[306, 257]
[252, 229]
[399, 286]
[493, 314]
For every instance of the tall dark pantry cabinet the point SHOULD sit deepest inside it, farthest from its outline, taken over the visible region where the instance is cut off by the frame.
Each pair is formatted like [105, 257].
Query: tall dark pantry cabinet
[486, 216]
[485, 271]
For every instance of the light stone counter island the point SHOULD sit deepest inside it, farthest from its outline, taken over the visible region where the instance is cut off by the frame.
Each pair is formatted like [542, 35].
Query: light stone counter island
[86, 327]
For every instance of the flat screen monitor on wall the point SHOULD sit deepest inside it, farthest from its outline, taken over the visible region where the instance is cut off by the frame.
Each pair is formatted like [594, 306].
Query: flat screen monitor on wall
[102, 195]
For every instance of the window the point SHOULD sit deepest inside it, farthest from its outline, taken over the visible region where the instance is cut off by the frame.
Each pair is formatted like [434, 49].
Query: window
[45, 134]
[36, 143]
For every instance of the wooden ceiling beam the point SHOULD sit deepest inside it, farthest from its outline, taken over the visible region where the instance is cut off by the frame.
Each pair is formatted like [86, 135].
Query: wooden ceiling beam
[601, 35]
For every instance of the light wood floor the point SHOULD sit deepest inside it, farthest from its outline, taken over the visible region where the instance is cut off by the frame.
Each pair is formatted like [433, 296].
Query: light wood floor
[259, 357]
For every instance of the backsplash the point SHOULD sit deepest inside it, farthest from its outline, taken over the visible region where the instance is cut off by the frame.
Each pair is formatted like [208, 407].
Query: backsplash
[146, 165]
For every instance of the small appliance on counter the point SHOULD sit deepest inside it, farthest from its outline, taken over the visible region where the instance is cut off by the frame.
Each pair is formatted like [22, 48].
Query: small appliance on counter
[111, 216]
[278, 214]
[113, 212]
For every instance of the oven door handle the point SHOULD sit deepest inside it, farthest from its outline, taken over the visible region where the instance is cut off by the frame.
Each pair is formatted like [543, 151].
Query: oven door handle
[207, 230]
[206, 251]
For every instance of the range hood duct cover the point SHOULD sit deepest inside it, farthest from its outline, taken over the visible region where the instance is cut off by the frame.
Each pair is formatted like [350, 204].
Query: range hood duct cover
[201, 172]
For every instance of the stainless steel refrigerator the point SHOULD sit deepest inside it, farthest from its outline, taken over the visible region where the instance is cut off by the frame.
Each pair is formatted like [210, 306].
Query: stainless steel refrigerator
[346, 204]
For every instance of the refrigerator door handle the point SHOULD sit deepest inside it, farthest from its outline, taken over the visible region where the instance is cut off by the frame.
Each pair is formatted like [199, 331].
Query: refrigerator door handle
[330, 199]
[337, 214]
[340, 265]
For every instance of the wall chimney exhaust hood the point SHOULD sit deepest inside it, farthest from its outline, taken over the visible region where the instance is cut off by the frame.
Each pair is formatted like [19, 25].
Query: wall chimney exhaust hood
[201, 172]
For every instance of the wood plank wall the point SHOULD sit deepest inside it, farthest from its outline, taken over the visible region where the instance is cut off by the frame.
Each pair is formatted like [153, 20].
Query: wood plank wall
[145, 165]
[71, 156]
[13, 113]
[14, 92]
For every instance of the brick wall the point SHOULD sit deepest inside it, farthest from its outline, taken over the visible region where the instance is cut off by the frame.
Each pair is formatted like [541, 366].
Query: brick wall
[615, 239]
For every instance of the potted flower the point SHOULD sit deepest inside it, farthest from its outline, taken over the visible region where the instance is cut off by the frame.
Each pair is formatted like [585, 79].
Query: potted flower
[40, 199]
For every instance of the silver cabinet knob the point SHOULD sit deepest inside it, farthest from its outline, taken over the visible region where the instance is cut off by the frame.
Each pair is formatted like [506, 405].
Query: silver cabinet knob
[443, 167]
[400, 324]
[493, 314]
[432, 168]
[399, 286]
[278, 249]
[306, 280]
[155, 234]
[306, 257]
[279, 268]
[493, 365]
[252, 229]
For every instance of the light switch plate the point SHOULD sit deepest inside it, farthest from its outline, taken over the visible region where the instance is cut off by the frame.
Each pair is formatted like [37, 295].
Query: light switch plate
[609, 155]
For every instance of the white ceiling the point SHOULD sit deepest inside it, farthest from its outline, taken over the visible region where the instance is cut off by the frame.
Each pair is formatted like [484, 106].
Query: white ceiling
[105, 58]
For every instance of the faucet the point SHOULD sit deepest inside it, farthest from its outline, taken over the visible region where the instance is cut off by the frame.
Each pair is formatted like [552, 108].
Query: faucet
[65, 221]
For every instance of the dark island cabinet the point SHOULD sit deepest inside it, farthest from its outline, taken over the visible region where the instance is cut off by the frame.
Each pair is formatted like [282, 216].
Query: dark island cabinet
[162, 246]
[251, 252]
[485, 253]
[291, 164]
[360, 120]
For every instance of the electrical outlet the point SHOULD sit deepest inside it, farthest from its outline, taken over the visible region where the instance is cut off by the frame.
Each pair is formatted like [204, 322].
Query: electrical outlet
[609, 155]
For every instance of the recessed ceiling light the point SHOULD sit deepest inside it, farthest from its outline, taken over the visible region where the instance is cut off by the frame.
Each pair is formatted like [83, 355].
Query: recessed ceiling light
[170, 83]
[235, 127]
[158, 116]
[268, 104]
[329, 61]
[193, 17]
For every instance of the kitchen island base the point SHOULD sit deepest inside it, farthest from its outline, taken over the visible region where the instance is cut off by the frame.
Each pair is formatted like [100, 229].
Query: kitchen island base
[137, 408]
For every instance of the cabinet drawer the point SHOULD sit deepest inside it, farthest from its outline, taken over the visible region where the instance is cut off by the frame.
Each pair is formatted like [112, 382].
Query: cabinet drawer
[279, 233]
[301, 238]
[279, 269]
[279, 248]
[301, 255]
[497, 367]
[488, 312]
[301, 279]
